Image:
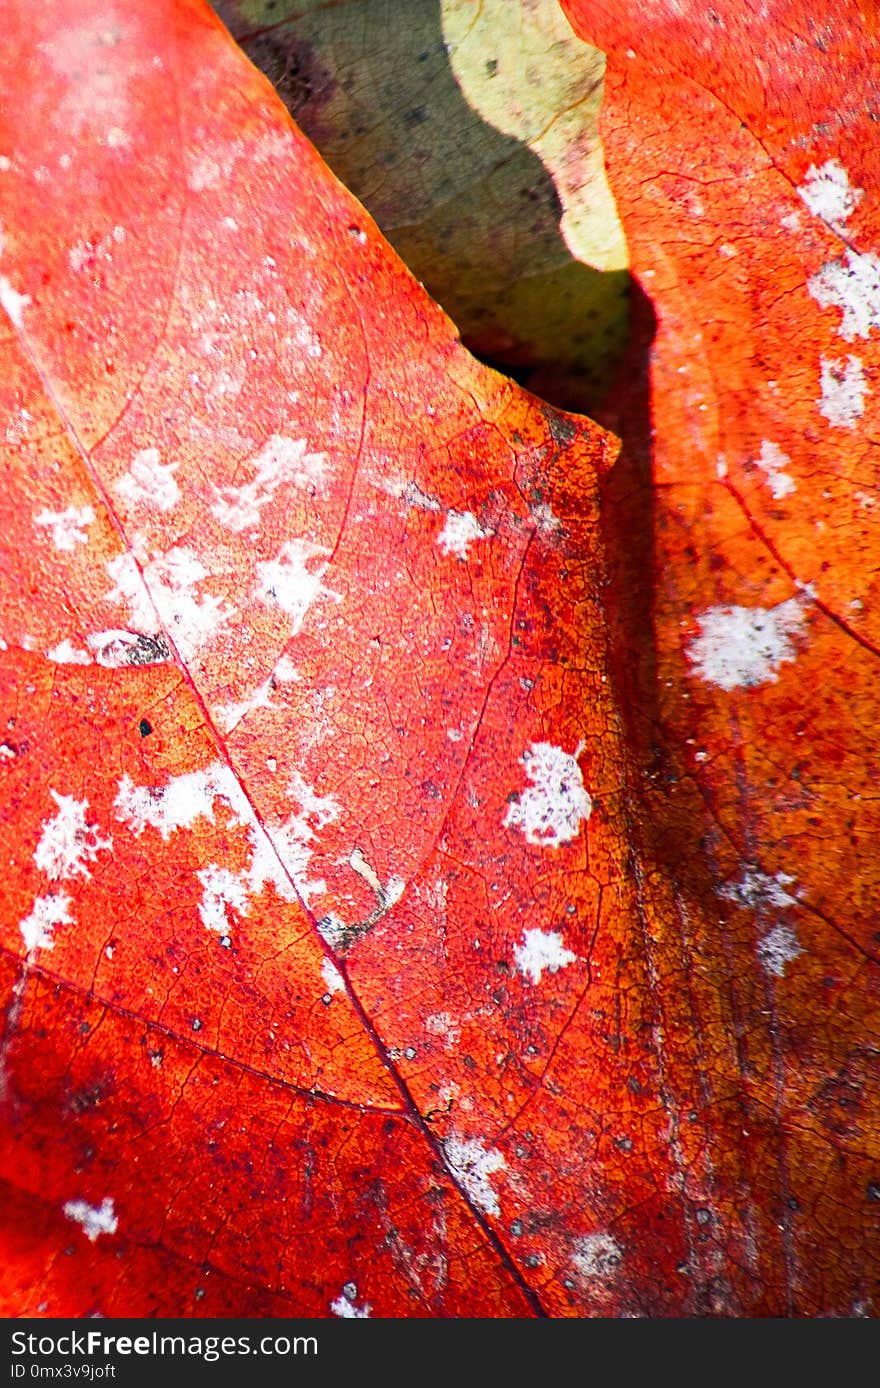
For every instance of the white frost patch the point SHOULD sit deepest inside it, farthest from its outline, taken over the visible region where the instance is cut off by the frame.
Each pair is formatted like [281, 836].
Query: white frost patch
[150, 482]
[181, 802]
[280, 853]
[66, 654]
[206, 172]
[443, 1024]
[13, 302]
[843, 392]
[167, 585]
[230, 715]
[287, 582]
[68, 527]
[828, 193]
[779, 948]
[294, 838]
[541, 950]
[550, 810]
[597, 1255]
[741, 647]
[472, 1164]
[757, 889]
[93, 1219]
[460, 530]
[48, 912]
[332, 977]
[346, 1304]
[851, 284]
[544, 518]
[84, 253]
[280, 460]
[18, 426]
[773, 462]
[67, 843]
[221, 888]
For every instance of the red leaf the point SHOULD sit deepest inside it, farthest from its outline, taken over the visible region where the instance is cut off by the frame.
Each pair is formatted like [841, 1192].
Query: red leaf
[313, 972]
[742, 150]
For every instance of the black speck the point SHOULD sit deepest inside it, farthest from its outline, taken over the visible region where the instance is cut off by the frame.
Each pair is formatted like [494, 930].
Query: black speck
[873, 1191]
[417, 116]
[145, 727]
[491, 67]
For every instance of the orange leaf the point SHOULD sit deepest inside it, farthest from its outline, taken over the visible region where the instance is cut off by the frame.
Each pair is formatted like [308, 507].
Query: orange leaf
[316, 874]
[742, 150]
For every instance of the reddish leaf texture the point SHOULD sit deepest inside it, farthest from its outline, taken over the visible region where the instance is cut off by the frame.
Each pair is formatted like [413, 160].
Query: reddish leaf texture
[317, 996]
[741, 143]
[352, 965]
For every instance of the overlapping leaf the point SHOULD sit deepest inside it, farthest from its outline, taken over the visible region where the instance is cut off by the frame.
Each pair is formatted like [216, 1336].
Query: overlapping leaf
[743, 154]
[469, 131]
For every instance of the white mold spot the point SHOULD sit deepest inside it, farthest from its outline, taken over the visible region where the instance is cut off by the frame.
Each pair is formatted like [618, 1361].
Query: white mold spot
[68, 527]
[332, 977]
[66, 654]
[167, 588]
[293, 840]
[92, 1219]
[827, 191]
[281, 460]
[206, 172]
[741, 647]
[460, 530]
[597, 1255]
[851, 284]
[19, 426]
[545, 520]
[288, 582]
[67, 843]
[773, 462]
[150, 482]
[181, 802]
[778, 948]
[13, 302]
[444, 1025]
[540, 951]
[843, 392]
[346, 1305]
[221, 889]
[48, 912]
[472, 1164]
[280, 852]
[549, 811]
[759, 890]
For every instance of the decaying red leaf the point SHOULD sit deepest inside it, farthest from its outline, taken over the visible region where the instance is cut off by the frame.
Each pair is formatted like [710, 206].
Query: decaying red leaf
[742, 149]
[352, 965]
[315, 871]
